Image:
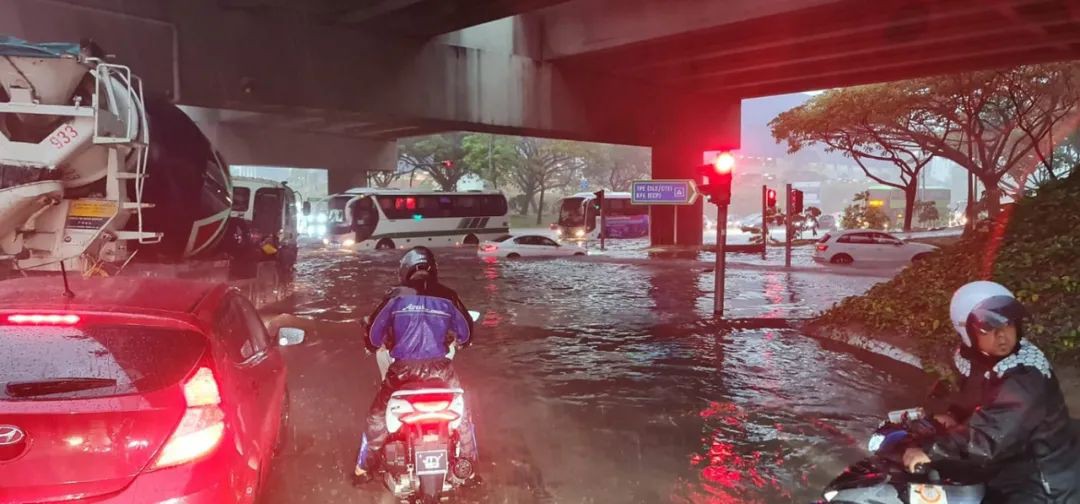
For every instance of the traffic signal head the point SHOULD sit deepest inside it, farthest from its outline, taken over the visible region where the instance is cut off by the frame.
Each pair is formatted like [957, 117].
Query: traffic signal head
[724, 163]
[770, 198]
[796, 204]
[714, 179]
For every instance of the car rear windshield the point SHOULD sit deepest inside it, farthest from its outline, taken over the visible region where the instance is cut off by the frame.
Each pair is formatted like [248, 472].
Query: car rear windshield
[824, 238]
[60, 362]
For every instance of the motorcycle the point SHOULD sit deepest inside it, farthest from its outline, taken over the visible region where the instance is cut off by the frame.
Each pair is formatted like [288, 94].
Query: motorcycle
[421, 459]
[882, 478]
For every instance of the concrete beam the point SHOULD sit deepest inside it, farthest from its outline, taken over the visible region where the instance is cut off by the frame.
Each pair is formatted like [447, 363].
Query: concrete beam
[592, 26]
[254, 145]
[228, 59]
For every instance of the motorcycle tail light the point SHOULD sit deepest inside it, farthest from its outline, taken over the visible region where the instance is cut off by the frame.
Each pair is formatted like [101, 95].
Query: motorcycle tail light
[429, 417]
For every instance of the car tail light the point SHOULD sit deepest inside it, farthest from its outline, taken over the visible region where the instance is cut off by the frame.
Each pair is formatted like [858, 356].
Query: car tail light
[201, 428]
[488, 248]
[43, 319]
[822, 248]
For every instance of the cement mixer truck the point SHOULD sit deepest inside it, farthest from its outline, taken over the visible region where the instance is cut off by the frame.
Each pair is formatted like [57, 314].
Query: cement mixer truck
[94, 174]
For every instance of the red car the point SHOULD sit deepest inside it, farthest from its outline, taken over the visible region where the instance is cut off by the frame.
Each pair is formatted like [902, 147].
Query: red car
[136, 390]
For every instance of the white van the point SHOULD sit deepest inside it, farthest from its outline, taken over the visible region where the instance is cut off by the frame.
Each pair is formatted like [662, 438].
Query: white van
[267, 210]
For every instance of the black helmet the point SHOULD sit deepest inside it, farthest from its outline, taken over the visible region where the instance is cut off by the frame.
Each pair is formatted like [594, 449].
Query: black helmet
[418, 260]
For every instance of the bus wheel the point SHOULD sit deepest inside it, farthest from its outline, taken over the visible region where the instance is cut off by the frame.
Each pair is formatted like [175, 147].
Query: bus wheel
[385, 244]
[471, 240]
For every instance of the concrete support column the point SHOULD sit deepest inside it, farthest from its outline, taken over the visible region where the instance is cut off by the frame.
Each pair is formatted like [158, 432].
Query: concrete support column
[684, 133]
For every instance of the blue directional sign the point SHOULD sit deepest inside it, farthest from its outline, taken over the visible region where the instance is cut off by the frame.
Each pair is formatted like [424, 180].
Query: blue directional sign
[663, 192]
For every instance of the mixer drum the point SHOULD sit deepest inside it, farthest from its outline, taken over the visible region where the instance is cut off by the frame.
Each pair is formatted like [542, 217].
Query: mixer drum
[188, 184]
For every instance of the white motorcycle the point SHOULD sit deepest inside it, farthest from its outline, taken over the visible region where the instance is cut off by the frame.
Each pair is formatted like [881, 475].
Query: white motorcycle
[421, 458]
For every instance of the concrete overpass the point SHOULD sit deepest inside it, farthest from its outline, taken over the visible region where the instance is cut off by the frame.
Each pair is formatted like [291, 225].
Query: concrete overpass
[332, 83]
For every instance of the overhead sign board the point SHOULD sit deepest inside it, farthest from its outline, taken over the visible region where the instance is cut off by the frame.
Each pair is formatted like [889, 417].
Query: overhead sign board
[663, 192]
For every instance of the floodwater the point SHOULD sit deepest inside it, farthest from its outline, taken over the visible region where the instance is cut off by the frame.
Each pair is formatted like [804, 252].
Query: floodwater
[599, 379]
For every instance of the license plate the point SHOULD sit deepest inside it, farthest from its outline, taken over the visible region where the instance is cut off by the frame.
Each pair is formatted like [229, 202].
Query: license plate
[431, 462]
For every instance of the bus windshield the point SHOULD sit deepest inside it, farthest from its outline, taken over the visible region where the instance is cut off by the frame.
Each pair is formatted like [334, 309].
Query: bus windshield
[338, 220]
[572, 212]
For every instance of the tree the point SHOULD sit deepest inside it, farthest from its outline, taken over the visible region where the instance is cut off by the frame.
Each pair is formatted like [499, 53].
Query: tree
[614, 167]
[928, 212]
[492, 157]
[542, 165]
[999, 125]
[440, 156]
[1065, 160]
[382, 179]
[860, 214]
[847, 121]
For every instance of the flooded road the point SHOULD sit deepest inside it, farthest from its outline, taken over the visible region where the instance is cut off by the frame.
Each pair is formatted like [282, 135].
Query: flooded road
[598, 380]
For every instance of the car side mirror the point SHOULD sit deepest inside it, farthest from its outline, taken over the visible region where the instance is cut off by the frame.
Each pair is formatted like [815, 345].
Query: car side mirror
[306, 208]
[289, 336]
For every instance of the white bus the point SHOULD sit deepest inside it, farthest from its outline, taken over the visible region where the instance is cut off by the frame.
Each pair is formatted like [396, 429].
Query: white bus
[381, 219]
[579, 217]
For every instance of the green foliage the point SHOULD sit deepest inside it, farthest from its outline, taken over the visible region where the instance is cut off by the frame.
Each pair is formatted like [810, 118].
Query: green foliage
[861, 215]
[492, 157]
[427, 154]
[1034, 254]
[927, 211]
[614, 167]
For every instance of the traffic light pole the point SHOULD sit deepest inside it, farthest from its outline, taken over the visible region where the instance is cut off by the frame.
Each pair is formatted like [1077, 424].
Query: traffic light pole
[721, 260]
[601, 203]
[787, 226]
[764, 220]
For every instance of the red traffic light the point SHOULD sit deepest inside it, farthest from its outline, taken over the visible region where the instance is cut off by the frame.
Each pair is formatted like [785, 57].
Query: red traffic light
[724, 163]
[770, 198]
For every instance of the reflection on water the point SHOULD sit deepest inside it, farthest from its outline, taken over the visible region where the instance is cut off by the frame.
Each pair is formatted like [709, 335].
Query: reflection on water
[641, 385]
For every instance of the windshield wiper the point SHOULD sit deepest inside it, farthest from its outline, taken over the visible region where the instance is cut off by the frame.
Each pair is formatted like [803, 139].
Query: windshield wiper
[56, 386]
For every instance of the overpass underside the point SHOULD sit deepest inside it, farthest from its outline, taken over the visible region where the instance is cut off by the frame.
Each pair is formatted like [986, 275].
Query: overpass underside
[332, 84]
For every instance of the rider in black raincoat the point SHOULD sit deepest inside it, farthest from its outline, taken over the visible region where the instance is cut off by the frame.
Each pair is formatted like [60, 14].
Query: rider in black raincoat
[1012, 425]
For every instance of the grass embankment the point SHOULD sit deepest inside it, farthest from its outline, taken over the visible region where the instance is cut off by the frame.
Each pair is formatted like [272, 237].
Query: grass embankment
[1036, 253]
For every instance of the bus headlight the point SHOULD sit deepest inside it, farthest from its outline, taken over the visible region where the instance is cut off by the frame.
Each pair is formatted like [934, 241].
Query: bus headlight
[579, 233]
[349, 242]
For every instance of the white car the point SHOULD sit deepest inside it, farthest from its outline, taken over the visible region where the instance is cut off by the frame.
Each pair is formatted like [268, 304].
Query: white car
[864, 246]
[518, 246]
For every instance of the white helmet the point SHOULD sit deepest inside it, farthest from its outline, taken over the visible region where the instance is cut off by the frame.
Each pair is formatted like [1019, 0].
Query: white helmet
[983, 305]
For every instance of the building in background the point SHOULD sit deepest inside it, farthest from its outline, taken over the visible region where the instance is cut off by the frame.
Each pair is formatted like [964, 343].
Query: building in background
[891, 200]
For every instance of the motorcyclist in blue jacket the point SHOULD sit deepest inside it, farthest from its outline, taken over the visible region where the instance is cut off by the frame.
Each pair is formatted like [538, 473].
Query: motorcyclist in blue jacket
[417, 321]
